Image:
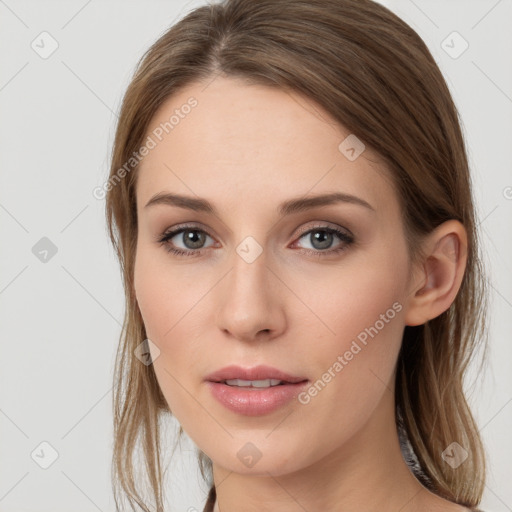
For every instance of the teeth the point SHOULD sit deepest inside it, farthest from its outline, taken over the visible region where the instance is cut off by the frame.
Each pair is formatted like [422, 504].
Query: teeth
[253, 383]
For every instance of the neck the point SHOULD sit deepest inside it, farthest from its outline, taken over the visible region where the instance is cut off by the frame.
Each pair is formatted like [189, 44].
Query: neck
[367, 472]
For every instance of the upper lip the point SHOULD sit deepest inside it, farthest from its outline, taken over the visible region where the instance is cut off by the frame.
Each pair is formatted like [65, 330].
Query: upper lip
[261, 372]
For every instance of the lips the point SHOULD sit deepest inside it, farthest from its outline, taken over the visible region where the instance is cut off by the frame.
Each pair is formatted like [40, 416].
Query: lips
[253, 391]
[261, 372]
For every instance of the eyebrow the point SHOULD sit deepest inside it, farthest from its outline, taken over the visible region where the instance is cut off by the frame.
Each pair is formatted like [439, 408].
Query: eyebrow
[286, 208]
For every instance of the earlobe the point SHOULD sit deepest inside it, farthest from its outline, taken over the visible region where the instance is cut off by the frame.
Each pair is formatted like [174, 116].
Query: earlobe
[440, 275]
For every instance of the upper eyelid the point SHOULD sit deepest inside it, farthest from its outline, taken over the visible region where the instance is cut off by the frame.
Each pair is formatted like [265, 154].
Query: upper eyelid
[325, 225]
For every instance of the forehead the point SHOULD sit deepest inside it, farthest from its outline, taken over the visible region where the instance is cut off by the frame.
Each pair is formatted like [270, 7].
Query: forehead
[252, 142]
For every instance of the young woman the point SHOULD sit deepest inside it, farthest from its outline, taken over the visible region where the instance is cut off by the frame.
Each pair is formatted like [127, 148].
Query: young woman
[291, 205]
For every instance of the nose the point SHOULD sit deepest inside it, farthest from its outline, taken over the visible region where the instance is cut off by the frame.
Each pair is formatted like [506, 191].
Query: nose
[250, 301]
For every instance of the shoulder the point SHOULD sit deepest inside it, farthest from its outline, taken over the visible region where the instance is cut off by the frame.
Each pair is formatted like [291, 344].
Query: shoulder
[434, 503]
[461, 508]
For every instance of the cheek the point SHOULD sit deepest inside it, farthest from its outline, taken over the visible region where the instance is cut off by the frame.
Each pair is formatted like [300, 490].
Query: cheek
[162, 294]
[353, 368]
[360, 333]
[151, 294]
[167, 306]
[169, 298]
[350, 298]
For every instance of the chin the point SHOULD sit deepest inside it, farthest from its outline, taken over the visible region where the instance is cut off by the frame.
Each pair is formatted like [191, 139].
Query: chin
[252, 456]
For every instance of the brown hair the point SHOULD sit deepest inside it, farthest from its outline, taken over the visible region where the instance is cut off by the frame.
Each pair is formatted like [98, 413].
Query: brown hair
[374, 75]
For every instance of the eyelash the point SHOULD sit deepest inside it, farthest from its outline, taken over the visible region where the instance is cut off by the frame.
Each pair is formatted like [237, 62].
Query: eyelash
[164, 239]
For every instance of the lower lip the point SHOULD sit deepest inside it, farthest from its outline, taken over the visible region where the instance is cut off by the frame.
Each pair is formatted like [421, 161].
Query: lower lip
[255, 401]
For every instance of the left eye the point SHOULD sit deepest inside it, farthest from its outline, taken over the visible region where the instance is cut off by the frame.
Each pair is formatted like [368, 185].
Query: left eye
[322, 238]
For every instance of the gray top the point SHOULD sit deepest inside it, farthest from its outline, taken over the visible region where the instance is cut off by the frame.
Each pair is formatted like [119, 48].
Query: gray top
[212, 495]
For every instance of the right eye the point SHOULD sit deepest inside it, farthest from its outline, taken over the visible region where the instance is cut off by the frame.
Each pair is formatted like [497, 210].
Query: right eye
[192, 238]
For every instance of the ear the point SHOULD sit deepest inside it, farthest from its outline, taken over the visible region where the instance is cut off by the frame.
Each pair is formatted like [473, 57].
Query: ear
[436, 282]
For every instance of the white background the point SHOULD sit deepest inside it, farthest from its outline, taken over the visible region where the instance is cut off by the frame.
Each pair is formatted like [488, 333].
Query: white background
[60, 320]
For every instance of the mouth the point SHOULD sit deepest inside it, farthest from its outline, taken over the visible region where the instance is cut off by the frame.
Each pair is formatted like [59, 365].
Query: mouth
[255, 391]
[254, 384]
[259, 376]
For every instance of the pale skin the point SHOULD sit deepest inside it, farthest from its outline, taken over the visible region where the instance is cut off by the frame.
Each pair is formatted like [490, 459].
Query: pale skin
[246, 149]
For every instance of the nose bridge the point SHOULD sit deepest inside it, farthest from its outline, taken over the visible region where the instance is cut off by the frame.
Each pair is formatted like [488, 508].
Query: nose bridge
[249, 302]
[248, 280]
[248, 262]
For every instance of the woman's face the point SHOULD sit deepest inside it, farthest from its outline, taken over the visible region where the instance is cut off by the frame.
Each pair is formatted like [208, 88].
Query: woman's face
[265, 279]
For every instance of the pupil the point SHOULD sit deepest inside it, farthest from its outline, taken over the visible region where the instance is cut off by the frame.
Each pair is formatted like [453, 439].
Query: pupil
[324, 240]
[195, 238]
